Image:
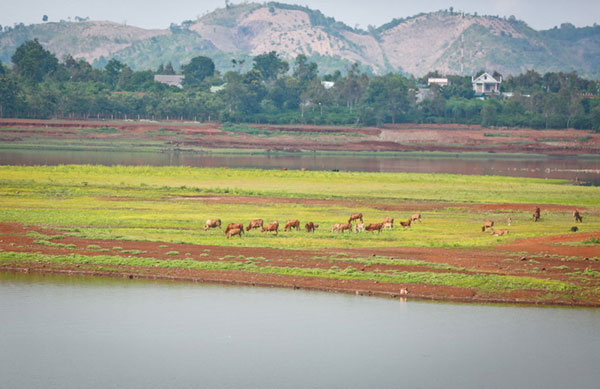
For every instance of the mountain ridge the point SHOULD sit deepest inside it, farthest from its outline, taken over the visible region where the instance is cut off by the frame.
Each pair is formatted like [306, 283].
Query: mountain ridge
[446, 41]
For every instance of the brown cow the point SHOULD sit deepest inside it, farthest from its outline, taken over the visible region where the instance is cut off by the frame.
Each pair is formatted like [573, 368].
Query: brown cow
[415, 217]
[355, 216]
[212, 223]
[536, 214]
[292, 224]
[334, 227]
[406, 224]
[311, 227]
[271, 227]
[233, 226]
[487, 224]
[499, 232]
[256, 223]
[388, 222]
[344, 227]
[577, 216]
[235, 231]
[374, 227]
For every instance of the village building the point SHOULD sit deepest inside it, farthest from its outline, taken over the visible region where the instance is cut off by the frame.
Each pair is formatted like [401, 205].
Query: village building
[328, 84]
[171, 80]
[437, 81]
[485, 84]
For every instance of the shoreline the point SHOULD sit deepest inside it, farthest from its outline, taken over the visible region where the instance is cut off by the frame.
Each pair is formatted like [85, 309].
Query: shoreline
[255, 283]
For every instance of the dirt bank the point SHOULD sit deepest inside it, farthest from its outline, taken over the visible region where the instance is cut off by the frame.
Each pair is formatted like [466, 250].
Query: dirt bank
[527, 257]
[453, 138]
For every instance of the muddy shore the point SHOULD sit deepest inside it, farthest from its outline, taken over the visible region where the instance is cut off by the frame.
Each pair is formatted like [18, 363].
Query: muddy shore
[514, 259]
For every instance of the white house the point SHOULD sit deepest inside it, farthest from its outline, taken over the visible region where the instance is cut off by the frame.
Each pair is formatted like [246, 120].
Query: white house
[486, 84]
[437, 81]
[328, 84]
[168, 79]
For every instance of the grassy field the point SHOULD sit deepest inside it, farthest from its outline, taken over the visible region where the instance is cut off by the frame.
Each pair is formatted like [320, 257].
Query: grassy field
[161, 204]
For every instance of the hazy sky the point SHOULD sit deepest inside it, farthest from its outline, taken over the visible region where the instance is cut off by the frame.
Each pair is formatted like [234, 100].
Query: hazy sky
[539, 14]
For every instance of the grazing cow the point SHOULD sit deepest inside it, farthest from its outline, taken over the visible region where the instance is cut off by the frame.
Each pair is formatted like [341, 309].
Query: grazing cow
[499, 232]
[374, 227]
[292, 224]
[256, 223]
[487, 224]
[415, 217]
[355, 216]
[233, 226]
[406, 224]
[359, 227]
[536, 214]
[271, 227]
[334, 227]
[212, 223]
[344, 227]
[574, 229]
[235, 231]
[388, 222]
[577, 216]
[311, 227]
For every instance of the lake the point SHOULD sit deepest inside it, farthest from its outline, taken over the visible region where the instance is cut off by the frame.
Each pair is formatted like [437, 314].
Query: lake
[73, 332]
[583, 170]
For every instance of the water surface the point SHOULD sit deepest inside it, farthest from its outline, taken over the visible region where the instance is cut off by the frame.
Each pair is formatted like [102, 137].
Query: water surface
[99, 333]
[584, 170]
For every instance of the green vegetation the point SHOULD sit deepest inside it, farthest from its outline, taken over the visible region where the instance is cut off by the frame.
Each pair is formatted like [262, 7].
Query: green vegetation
[486, 282]
[153, 205]
[273, 91]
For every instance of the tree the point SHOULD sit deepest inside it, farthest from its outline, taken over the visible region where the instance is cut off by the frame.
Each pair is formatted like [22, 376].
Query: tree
[303, 70]
[239, 63]
[197, 70]
[8, 97]
[113, 69]
[488, 114]
[169, 69]
[33, 62]
[270, 65]
[388, 95]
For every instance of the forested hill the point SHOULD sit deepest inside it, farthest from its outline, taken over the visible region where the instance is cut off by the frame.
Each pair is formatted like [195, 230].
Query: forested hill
[446, 41]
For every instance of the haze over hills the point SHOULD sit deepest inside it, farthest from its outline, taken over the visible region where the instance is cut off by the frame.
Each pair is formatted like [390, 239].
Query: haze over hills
[446, 41]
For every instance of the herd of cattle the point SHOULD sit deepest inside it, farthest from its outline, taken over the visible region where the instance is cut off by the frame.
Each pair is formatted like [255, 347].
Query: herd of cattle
[233, 229]
[489, 224]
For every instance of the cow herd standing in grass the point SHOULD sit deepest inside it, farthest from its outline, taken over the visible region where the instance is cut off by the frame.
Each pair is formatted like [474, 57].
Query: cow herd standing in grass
[234, 229]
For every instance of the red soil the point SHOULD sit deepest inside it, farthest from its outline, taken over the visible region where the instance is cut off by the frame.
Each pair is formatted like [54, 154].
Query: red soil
[502, 261]
[400, 137]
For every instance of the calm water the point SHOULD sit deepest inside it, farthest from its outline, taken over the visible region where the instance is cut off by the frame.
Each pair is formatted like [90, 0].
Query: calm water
[102, 333]
[587, 170]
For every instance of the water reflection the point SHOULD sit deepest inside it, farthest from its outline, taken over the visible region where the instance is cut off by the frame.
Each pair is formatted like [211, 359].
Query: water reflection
[577, 170]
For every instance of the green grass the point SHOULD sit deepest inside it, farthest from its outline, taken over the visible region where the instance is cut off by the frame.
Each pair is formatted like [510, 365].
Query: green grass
[487, 282]
[80, 201]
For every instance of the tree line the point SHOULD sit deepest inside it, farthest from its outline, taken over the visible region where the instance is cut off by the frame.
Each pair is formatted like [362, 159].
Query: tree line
[38, 85]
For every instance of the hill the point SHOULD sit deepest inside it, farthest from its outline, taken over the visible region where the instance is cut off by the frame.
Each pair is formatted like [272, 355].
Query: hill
[445, 41]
